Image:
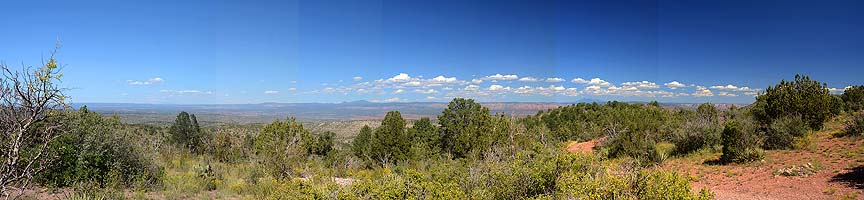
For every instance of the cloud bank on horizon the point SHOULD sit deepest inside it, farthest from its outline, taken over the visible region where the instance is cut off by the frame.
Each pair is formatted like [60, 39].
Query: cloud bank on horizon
[404, 87]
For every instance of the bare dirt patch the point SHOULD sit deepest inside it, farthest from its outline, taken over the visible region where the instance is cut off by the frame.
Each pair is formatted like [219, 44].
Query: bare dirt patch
[838, 174]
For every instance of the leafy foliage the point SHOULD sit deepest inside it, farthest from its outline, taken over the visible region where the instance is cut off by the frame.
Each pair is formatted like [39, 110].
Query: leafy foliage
[854, 97]
[740, 142]
[465, 128]
[186, 132]
[855, 126]
[94, 151]
[784, 131]
[700, 130]
[390, 141]
[809, 99]
[281, 145]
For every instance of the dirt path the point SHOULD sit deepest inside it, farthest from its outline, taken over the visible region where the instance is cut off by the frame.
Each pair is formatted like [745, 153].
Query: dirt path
[838, 164]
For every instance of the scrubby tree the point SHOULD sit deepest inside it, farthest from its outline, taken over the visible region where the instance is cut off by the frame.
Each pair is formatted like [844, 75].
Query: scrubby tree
[701, 130]
[809, 99]
[854, 97]
[424, 138]
[361, 144]
[281, 145]
[390, 142]
[321, 144]
[465, 127]
[740, 142]
[186, 132]
[31, 103]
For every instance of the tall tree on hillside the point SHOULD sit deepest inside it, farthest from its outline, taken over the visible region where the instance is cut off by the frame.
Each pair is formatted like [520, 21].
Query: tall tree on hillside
[186, 132]
[390, 143]
[361, 144]
[424, 138]
[31, 103]
[465, 127]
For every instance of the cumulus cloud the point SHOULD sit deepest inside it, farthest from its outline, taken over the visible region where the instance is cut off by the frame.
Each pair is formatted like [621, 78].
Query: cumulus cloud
[185, 92]
[413, 83]
[675, 85]
[151, 81]
[727, 94]
[640, 85]
[442, 79]
[476, 81]
[579, 81]
[554, 80]
[528, 79]
[731, 88]
[599, 82]
[499, 77]
[271, 92]
[399, 91]
[358, 78]
[498, 88]
[472, 87]
[703, 93]
[429, 91]
[402, 77]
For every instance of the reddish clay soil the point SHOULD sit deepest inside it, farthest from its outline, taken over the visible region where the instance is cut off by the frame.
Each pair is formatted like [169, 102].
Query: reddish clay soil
[588, 146]
[839, 164]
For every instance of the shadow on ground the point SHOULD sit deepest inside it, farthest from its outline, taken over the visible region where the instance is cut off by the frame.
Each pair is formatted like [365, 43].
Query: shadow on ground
[854, 178]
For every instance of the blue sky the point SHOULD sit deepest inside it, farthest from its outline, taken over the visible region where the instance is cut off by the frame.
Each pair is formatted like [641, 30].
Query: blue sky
[214, 52]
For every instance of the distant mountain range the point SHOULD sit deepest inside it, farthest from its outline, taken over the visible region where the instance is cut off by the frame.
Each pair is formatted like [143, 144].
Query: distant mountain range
[310, 112]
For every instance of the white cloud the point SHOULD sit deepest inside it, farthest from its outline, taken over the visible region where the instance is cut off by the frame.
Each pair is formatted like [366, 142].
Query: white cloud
[751, 93]
[835, 90]
[186, 92]
[442, 79]
[699, 87]
[471, 87]
[147, 82]
[641, 85]
[727, 94]
[271, 92]
[399, 91]
[555, 80]
[413, 83]
[358, 78]
[579, 81]
[557, 88]
[476, 81]
[499, 77]
[599, 82]
[703, 93]
[498, 88]
[292, 89]
[402, 77]
[675, 85]
[429, 91]
[571, 92]
[682, 94]
[431, 98]
[731, 88]
[529, 79]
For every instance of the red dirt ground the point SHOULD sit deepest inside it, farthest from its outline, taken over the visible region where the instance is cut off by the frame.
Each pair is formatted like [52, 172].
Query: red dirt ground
[839, 163]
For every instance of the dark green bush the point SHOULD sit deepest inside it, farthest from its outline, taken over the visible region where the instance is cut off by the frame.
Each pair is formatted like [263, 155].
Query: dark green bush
[740, 142]
[280, 146]
[855, 126]
[97, 150]
[700, 130]
[783, 132]
[186, 132]
[465, 128]
[854, 98]
[802, 97]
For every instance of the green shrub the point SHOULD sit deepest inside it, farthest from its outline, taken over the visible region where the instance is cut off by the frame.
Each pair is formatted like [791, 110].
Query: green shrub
[854, 98]
[802, 97]
[465, 128]
[96, 150]
[740, 142]
[186, 132]
[701, 130]
[280, 146]
[784, 131]
[855, 126]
